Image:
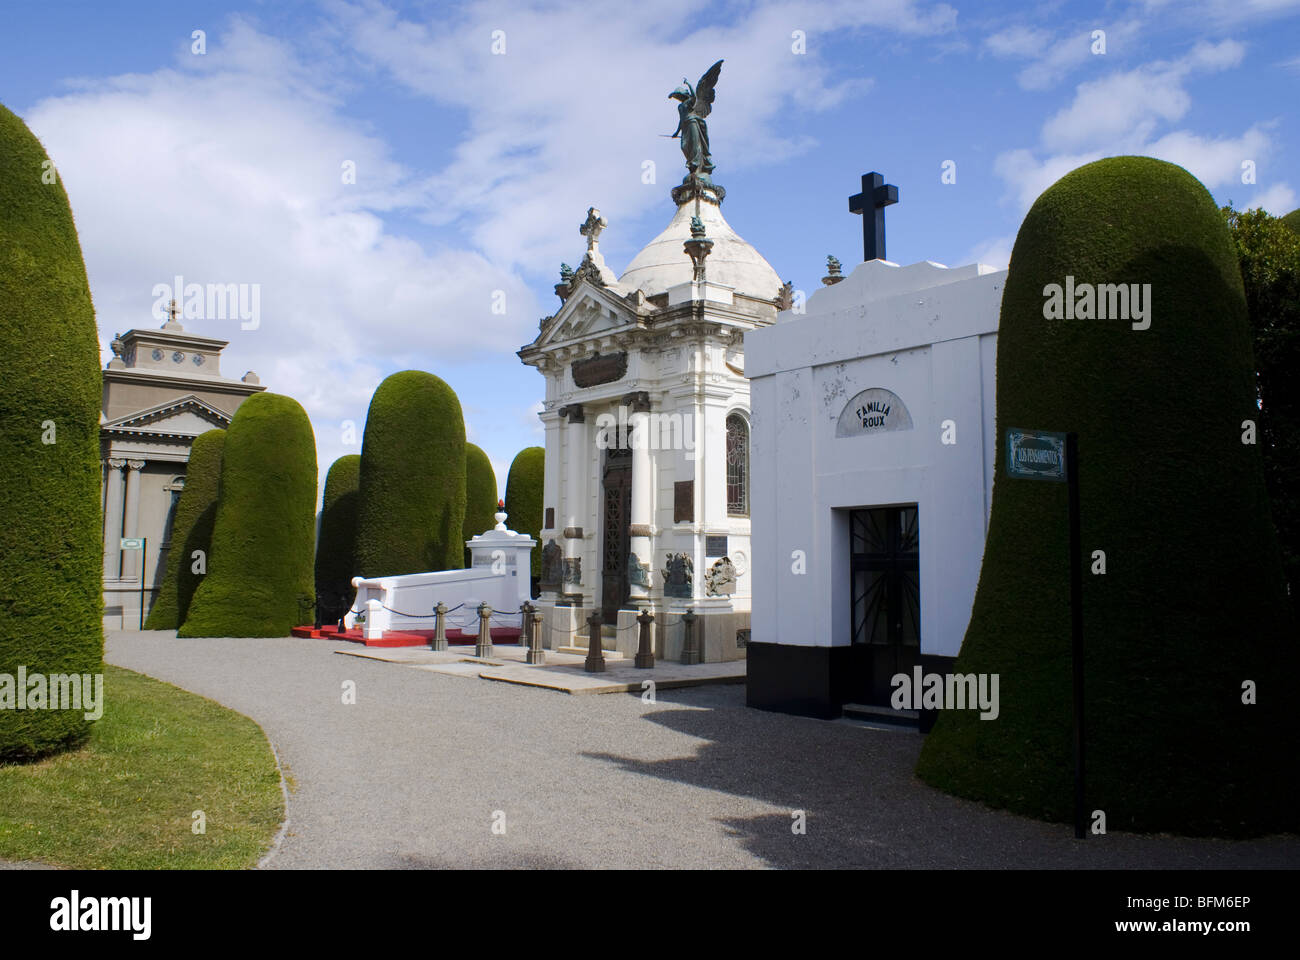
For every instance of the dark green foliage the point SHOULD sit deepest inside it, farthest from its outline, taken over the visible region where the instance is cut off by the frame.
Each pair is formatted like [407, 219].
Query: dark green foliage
[336, 549]
[1292, 221]
[191, 530]
[259, 579]
[411, 504]
[480, 495]
[1269, 255]
[524, 489]
[1192, 602]
[51, 539]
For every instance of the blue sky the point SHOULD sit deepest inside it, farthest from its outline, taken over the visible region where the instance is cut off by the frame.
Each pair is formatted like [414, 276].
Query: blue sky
[474, 169]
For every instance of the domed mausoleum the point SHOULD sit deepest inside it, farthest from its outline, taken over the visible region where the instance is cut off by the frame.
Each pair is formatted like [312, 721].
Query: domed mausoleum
[647, 434]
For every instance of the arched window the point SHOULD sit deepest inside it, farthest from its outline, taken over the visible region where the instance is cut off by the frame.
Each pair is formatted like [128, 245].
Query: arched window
[175, 487]
[737, 466]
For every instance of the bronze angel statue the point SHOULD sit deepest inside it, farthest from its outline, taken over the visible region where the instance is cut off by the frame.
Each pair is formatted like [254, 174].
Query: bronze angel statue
[693, 105]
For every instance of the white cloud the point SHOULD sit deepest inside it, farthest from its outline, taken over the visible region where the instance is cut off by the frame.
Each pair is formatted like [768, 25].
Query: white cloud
[1278, 200]
[227, 169]
[1018, 41]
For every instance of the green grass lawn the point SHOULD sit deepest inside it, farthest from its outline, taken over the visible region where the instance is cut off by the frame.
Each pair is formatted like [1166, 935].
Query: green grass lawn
[126, 799]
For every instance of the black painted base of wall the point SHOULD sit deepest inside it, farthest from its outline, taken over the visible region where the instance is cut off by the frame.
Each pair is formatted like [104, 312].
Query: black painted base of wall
[808, 681]
[813, 681]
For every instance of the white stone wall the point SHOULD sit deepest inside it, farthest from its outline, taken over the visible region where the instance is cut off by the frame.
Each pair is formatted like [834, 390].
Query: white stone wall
[928, 335]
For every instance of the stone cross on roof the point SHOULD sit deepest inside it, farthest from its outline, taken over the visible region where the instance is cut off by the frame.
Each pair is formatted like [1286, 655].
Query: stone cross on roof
[592, 227]
[871, 203]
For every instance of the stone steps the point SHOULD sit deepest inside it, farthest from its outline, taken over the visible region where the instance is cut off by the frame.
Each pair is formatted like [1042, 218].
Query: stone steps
[867, 711]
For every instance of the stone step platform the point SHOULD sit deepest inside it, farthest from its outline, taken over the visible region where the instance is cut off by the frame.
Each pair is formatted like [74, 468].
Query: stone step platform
[562, 672]
[877, 714]
[582, 652]
[405, 638]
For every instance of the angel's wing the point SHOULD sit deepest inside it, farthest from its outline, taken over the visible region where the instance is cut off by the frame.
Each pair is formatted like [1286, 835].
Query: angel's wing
[704, 90]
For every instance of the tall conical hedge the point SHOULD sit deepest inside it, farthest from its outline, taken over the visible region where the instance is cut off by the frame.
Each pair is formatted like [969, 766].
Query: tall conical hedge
[1190, 606]
[259, 579]
[1292, 220]
[524, 490]
[191, 530]
[336, 548]
[411, 500]
[51, 540]
[480, 495]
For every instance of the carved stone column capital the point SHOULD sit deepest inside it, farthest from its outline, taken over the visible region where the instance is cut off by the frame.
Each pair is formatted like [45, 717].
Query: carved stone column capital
[116, 463]
[573, 412]
[136, 464]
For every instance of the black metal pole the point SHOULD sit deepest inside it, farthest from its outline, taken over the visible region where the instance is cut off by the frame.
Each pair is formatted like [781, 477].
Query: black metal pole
[1076, 627]
[144, 553]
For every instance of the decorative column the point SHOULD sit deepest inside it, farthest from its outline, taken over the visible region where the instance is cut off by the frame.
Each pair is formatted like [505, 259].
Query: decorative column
[575, 500]
[113, 520]
[131, 566]
[640, 529]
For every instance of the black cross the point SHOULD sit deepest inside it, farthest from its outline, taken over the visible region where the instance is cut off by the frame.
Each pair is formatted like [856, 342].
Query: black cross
[875, 196]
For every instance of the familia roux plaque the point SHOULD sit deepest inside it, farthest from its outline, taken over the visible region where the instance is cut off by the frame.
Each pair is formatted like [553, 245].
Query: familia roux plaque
[602, 368]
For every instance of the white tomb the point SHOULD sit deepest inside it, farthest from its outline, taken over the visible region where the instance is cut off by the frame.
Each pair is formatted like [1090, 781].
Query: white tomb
[872, 471]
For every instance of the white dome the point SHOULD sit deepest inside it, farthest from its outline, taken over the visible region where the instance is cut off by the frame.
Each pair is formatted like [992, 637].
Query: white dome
[663, 262]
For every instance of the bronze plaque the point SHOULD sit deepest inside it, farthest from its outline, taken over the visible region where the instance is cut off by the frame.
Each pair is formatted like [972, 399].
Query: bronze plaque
[599, 369]
[684, 501]
[550, 518]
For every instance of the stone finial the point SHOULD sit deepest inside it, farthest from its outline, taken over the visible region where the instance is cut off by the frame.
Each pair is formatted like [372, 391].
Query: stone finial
[173, 317]
[591, 228]
[785, 296]
[118, 346]
[833, 272]
[251, 378]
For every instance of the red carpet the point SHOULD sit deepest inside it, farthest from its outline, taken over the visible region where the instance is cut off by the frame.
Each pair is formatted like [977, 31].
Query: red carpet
[405, 638]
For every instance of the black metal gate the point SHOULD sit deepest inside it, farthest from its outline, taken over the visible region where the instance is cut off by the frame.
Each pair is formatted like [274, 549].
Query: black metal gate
[886, 597]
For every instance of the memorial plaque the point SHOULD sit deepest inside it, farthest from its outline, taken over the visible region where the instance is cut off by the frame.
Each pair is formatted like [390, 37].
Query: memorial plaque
[604, 368]
[550, 518]
[684, 501]
[715, 546]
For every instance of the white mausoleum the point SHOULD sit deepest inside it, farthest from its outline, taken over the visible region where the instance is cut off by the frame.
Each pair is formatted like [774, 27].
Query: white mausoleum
[872, 471]
[647, 416]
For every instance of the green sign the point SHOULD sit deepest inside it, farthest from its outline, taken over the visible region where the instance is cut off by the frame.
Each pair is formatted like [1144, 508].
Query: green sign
[132, 543]
[1036, 455]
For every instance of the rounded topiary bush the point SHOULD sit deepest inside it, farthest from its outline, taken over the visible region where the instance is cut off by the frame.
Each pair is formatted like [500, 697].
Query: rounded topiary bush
[1292, 220]
[411, 499]
[336, 547]
[191, 531]
[480, 495]
[524, 489]
[259, 579]
[51, 540]
[1191, 605]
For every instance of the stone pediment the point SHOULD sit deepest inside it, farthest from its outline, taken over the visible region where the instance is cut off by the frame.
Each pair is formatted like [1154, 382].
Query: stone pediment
[186, 416]
[589, 311]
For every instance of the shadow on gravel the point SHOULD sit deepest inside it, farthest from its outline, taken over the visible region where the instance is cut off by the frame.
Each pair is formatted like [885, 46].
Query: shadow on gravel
[862, 807]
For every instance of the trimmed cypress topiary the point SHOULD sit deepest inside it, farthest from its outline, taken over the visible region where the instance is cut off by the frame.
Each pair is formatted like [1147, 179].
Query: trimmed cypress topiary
[524, 489]
[411, 500]
[336, 550]
[1292, 220]
[480, 495]
[259, 579]
[191, 530]
[1191, 604]
[51, 540]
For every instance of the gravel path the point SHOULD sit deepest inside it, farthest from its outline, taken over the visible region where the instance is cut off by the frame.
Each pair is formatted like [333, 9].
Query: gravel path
[414, 773]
